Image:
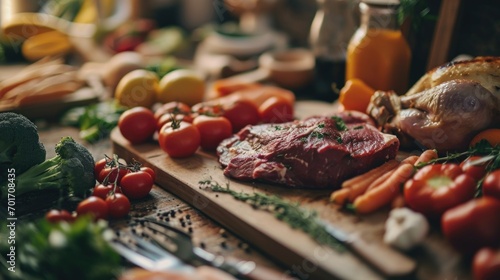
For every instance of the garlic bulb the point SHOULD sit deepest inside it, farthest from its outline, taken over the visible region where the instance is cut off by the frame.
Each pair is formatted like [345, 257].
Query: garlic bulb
[405, 228]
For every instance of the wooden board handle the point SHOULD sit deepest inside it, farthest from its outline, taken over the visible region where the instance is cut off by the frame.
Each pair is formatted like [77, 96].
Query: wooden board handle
[389, 262]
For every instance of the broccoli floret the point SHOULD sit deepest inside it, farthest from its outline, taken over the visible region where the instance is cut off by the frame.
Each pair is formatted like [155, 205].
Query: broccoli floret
[71, 171]
[20, 147]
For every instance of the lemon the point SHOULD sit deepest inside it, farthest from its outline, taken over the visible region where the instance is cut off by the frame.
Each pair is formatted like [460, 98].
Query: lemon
[137, 88]
[182, 85]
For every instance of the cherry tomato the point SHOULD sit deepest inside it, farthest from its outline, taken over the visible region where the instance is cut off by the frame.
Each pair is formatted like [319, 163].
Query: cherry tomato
[137, 124]
[172, 108]
[99, 165]
[473, 225]
[241, 113]
[110, 174]
[103, 191]
[56, 216]
[212, 130]
[491, 184]
[136, 185]
[179, 139]
[150, 171]
[118, 205]
[486, 264]
[276, 110]
[475, 167]
[94, 206]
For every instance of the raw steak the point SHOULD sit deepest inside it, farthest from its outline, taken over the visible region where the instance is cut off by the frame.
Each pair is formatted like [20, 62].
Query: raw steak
[318, 152]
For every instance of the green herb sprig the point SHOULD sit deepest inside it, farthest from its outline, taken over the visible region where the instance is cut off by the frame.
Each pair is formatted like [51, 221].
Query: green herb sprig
[490, 154]
[288, 212]
[490, 158]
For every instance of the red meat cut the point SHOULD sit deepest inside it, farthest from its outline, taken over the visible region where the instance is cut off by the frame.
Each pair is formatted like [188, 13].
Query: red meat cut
[318, 152]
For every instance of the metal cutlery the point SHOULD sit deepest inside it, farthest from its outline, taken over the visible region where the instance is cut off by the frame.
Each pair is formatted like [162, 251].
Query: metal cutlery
[147, 255]
[180, 244]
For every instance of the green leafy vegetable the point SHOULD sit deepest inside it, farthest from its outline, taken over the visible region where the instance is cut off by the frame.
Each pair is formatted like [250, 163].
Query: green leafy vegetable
[94, 121]
[78, 251]
[290, 213]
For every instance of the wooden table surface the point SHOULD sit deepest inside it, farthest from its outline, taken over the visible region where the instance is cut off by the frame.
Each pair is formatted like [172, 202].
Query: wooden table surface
[205, 232]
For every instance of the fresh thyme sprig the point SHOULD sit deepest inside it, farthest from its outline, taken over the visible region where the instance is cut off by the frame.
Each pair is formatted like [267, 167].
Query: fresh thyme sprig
[490, 154]
[288, 212]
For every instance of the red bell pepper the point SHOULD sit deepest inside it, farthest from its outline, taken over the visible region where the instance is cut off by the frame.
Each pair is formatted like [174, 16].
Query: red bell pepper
[437, 188]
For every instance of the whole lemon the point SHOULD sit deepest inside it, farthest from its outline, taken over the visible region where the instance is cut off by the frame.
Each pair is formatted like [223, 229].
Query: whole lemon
[182, 85]
[137, 88]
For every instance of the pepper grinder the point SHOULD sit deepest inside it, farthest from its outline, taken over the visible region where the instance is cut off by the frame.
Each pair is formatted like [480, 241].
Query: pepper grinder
[331, 29]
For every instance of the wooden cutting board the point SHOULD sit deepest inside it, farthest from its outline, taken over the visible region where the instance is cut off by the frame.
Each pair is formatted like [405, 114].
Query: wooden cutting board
[290, 247]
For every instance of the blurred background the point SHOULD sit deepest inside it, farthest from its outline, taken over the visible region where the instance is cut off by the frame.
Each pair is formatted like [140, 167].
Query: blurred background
[226, 37]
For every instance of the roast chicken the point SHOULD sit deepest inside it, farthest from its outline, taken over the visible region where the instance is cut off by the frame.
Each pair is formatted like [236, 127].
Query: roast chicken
[446, 108]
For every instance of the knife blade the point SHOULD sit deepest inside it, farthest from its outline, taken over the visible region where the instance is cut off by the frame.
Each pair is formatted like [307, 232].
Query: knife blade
[386, 260]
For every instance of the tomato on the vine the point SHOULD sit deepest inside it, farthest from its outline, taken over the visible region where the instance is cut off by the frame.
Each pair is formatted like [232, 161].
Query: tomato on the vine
[150, 171]
[103, 191]
[56, 216]
[212, 130]
[100, 165]
[111, 174]
[179, 139]
[118, 205]
[136, 185]
[491, 184]
[137, 124]
[94, 206]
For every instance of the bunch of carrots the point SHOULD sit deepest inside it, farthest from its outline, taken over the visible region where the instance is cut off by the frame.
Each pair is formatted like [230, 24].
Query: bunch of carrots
[381, 186]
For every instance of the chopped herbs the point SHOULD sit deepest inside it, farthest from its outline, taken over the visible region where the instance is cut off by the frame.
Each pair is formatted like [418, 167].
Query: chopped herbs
[339, 140]
[277, 127]
[358, 127]
[321, 125]
[339, 123]
[318, 134]
[288, 212]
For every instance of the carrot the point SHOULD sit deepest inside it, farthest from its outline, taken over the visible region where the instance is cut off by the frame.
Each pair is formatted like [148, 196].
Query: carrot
[256, 95]
[223, 87]
[370, 175]
[398, 201]
[340, 196]
[385, 177]
[383, 194]
[427, 156]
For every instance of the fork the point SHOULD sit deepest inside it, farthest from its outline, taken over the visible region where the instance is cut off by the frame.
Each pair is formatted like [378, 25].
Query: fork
[180, 244]
[147, 254]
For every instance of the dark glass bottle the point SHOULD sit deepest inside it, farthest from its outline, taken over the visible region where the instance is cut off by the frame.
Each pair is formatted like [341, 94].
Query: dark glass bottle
[332, 27]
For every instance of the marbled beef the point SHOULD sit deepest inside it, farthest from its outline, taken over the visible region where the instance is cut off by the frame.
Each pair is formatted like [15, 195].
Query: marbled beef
[318, 152]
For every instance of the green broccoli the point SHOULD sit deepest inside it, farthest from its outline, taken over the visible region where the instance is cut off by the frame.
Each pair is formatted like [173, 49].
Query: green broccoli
[71, 171]
[20, 147]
